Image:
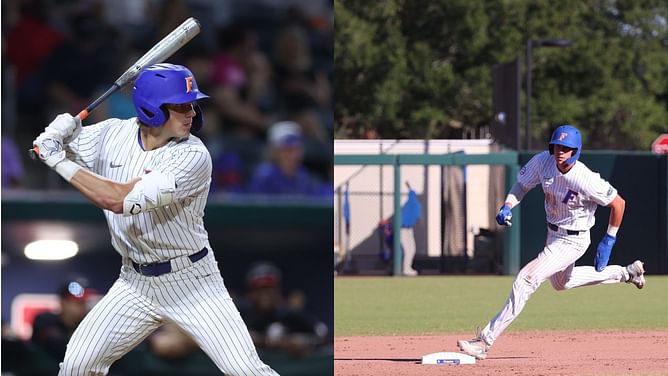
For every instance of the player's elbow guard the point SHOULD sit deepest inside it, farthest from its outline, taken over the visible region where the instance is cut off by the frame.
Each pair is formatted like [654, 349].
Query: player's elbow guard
[154, 190]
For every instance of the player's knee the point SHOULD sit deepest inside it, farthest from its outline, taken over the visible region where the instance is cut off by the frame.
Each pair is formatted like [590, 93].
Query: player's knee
[523, 280]
[525, 284]
[70, 367]
[256, 368]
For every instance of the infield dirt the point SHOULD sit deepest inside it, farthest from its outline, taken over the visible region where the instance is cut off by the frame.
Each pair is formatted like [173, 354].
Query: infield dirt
[532, 353]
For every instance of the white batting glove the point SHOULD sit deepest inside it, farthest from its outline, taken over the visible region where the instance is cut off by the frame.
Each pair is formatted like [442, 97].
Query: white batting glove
[65, 127]
[50, 149]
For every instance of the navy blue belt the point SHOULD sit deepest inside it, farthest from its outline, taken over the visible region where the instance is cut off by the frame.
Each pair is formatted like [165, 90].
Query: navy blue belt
[160, 268]
[555, 228]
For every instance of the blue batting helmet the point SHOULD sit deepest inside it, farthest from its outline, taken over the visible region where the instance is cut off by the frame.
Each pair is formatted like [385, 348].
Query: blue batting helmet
[161, 84]
[569, 136]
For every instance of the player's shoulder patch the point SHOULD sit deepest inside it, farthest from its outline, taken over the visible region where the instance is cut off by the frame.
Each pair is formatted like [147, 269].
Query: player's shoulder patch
[610, 191]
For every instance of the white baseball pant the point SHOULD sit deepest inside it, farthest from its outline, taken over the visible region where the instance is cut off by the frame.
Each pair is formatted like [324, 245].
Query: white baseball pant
[408, 245]
[556, 262]
[194, 298]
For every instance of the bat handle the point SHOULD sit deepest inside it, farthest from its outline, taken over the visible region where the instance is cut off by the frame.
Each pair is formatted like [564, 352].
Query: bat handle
[83, 114]
[34, 152]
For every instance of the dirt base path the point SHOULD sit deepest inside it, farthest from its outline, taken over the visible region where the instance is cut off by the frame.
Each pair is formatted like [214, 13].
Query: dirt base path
[525, 353]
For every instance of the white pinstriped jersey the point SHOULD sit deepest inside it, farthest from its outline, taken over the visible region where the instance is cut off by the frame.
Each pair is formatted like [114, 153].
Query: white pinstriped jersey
[112, 149]
[571, 199]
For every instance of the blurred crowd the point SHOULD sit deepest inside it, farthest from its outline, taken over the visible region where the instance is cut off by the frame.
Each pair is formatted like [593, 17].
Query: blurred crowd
[267, 65]
[286, 335]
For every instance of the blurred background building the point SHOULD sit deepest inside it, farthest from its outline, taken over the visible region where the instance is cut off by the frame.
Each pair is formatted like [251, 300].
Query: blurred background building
[262, 62]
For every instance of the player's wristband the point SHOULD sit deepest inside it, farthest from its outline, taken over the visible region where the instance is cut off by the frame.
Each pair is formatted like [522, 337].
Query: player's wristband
[511, 200]
[612, 230]
[67, 169]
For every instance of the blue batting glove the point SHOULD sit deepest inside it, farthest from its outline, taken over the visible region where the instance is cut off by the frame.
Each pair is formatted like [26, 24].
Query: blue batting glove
[504, 216]
[603, 252]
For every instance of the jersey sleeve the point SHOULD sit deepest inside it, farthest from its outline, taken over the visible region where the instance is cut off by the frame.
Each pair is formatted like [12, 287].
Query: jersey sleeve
[599, 190]
[191, 168]
[529, 176]
[85, 150]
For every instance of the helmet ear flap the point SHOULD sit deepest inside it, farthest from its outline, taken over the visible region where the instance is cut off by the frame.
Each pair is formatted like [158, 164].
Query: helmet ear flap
[198, 120]
[165, 114]
[151, 116]
[551, 148]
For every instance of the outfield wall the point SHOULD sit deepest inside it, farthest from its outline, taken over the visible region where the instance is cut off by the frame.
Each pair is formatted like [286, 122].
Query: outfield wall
[640, 177]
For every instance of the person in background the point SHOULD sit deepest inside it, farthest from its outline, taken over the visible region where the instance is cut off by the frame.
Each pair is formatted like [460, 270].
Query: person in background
[410, 214]
[284, 173]
[278, 322]
[12, 166]
[51, 331]
[241, 76]
[241, 85]
[303, 89]
[80, 66]
[171, 342]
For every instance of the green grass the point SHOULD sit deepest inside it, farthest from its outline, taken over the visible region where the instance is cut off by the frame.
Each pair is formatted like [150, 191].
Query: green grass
[449, 304]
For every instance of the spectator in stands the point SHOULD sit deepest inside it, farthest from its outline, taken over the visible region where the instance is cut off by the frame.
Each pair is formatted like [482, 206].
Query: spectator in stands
[301, 87]
[304, 94]
[241, 73]
[31, 39]
[227, 173]
[242, 94]
[283, 173]
[52, 331]
[81, 65]
[171, 342]
[29, 42]
[12, 166]
[276, 322]
[24, 358]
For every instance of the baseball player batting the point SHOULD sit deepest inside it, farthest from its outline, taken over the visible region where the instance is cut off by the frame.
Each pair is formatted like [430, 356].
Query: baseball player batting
[151, 177]
[572, 194]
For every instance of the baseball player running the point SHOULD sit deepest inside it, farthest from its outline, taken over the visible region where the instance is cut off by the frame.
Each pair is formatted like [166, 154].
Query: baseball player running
[151, 177]
[572, 194]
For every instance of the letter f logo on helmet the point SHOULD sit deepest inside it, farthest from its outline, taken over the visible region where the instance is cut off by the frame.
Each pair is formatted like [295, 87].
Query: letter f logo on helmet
[189, 84]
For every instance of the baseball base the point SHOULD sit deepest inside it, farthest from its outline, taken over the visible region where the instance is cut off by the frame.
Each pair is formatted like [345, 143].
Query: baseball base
[448, 358]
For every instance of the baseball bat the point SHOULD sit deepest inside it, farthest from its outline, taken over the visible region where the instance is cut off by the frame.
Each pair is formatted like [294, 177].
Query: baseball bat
[157, 54]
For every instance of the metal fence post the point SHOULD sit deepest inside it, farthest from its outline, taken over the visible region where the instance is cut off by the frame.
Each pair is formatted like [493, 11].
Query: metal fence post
[396, 225]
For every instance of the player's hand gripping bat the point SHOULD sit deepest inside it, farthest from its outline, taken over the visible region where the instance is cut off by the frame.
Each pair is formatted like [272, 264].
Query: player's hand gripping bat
[157, 54]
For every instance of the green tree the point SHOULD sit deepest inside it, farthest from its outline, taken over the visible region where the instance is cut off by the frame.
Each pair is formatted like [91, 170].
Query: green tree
[422, 68]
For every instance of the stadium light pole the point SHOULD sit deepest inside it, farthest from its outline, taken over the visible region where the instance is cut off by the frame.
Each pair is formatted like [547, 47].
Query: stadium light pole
[531, 43]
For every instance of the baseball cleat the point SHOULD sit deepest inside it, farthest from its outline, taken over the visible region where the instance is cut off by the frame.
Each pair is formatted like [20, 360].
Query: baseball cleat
[410, 272]
[636, 274]
[475, 347]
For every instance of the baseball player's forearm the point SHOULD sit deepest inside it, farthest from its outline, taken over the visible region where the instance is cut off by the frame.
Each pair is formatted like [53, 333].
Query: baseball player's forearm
[102, 192]
[515, 195]
[617, 207]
